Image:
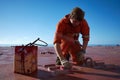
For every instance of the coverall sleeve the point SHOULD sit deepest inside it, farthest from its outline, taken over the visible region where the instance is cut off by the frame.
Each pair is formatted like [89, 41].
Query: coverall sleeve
[85, 31]
[59, 32]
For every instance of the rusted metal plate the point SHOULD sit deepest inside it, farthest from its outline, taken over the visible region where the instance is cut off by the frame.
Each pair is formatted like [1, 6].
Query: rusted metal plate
[109, 57]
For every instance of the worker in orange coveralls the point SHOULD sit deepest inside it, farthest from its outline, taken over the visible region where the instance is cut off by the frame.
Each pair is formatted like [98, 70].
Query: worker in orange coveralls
[66, 39]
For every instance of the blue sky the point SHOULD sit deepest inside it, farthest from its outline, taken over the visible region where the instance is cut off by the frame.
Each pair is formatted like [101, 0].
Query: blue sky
[22, 21]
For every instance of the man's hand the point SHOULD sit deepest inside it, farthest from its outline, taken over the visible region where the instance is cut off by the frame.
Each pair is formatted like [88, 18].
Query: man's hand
[82, 51]
[80, 55]
[66, 64]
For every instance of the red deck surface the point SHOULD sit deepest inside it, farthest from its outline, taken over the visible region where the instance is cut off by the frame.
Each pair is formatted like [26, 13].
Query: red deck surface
[109, 55]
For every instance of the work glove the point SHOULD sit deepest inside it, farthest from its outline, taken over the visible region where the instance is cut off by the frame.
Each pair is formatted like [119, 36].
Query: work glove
[80, 55]
[66, 64]
[82, 51]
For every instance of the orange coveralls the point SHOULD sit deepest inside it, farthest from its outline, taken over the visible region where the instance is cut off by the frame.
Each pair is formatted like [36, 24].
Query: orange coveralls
[67, 36]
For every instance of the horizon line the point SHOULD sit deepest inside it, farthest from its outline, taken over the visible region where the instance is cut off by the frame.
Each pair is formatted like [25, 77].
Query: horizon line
[52, 45]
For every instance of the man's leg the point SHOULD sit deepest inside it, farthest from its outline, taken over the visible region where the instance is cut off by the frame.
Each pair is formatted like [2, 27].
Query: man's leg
[67, 56]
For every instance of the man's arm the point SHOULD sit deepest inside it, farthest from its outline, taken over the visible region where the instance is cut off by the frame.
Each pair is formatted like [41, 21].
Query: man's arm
[85, 43]
[85, 35]
[64, 62]
[58, 51]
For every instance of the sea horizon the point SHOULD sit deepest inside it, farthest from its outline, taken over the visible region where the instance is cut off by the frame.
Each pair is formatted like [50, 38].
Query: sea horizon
[51, 45]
